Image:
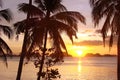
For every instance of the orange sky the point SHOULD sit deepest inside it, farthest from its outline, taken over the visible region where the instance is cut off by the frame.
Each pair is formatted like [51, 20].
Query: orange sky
[89, 39]
[89, 42]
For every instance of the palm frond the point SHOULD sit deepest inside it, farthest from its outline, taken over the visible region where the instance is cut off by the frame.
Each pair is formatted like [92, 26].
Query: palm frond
[53, 6]
[6, 30]
[65, 18]
[55, 35]
[77, 15]
[69, 17]
[113, 23]
[38, 35]
[106, 26]
[62, 27]
[73, 14]
[20, 27]
[4, 46]
[59, 8]
[27, 23]
[34, 11]
[6, 14]
[62, 42]
[58, 50]
[3, 56]
[101, 9]
[111, 40]
[105, 3]
[40, 4]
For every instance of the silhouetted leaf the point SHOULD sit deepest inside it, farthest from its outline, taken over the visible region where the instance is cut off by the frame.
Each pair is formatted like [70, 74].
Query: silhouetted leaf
[6, 14]
[34, 11]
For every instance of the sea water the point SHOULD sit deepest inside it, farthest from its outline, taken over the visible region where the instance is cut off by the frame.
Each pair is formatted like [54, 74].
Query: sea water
[89, 68]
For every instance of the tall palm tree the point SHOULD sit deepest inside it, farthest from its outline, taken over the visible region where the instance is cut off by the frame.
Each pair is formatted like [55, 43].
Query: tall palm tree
[57, 19]
[24, 47]
[4, 48]
[25, 27]
[54, 26]
[110, 10]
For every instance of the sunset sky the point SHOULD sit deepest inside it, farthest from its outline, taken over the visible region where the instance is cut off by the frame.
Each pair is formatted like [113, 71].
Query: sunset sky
[89, 38]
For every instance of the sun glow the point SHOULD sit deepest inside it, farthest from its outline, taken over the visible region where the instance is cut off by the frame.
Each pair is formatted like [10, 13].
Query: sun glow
[79, 53]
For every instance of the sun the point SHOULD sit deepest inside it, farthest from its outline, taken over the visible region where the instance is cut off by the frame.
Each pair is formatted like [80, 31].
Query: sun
[79, 53]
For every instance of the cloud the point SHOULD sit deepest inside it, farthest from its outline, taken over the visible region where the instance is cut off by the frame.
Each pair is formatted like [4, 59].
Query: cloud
[94, 38]
[95, 42]
[93, 35]
[87, 31]
[89, 43]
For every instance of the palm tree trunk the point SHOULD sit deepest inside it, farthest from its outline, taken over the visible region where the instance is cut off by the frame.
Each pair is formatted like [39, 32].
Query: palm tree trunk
[43, 56]
[118, 58]
[22, 58]
[23, 53]
[44, 49]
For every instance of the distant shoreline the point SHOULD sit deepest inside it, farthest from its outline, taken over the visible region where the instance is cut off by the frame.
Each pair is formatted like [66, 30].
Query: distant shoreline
[87, 55]
[99, 55]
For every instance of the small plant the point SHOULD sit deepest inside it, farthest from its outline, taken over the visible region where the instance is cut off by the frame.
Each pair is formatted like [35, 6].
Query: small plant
[48, 72]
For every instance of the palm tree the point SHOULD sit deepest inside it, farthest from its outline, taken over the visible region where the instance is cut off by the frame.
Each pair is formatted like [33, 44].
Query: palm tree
[25, 27]
[110, 10]
[4, 48]
[24, 47]
[57, 19]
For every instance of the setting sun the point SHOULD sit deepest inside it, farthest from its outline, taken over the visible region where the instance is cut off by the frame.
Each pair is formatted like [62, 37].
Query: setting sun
[79, 53]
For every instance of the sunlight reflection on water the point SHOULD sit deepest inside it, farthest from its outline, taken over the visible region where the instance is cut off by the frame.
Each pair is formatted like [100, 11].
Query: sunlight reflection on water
[71, 69]
[79, 66]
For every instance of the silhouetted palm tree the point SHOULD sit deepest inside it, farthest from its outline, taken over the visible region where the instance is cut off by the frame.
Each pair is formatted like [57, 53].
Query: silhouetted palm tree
[4, 48]
[25, 27]
[55, 25]
[110, 10]
[57, 19]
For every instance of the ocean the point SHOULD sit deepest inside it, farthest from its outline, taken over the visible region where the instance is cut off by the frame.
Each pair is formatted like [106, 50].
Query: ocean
[88, 68]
